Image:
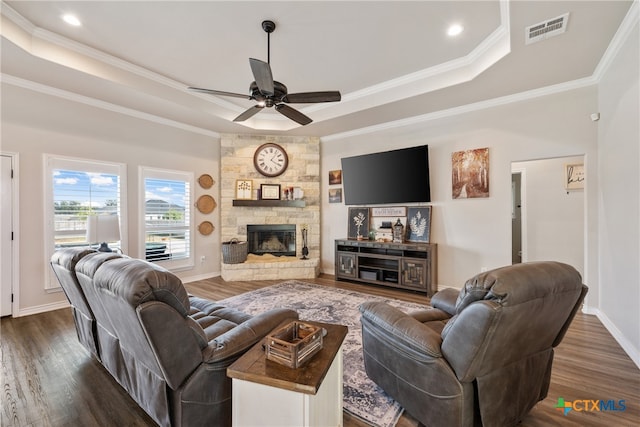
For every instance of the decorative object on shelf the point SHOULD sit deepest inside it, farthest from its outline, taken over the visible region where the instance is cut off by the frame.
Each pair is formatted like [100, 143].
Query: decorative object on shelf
[470, 174]
[244, 188]
[335, 177]
[335, 195]
[206, 181]
[205, 228]
[206, 204]
[419, 224]
[103, 229]
[305, 249]
[234, 251]
[382, 221]
[298, 193]
[270, 191]
[358, 223]
[398, 232]
[270, 159]
[574, 176]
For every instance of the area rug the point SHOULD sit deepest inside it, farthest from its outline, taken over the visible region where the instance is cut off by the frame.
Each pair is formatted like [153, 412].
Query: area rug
[362, 397]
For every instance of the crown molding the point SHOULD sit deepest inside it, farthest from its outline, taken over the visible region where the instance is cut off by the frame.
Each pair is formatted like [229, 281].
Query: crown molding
[629, 22]
[464, 109]
[71, 96]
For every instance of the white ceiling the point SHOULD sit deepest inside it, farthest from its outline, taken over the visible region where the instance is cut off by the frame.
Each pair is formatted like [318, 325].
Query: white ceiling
[391, 60]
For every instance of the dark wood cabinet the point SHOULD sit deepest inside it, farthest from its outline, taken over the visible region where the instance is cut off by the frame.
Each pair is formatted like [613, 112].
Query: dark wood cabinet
[409, 266]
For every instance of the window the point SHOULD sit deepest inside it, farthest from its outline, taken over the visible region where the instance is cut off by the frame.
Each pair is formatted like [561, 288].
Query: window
[76, 189]
[167, 221]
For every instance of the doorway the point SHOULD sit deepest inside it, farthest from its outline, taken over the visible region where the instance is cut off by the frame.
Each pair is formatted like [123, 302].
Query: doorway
[6, 235]
[552, 216]
[516, 217]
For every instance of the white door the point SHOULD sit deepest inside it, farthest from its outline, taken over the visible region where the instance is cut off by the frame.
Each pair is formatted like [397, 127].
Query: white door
[6, 252]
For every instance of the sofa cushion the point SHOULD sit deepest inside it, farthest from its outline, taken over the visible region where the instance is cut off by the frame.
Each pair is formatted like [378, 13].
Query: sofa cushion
[138, 281]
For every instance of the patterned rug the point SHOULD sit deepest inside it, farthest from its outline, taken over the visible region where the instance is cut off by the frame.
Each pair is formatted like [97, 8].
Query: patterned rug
[362, 397]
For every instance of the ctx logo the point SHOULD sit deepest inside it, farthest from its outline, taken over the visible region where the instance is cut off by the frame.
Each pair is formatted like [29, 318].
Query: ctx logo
[589, 405]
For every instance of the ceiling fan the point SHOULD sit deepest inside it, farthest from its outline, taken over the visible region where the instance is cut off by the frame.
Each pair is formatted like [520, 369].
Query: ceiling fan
[270, 93]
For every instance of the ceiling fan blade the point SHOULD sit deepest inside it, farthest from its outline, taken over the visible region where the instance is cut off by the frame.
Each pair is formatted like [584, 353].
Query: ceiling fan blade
[248, 113]
[312, 97]
[293, 114]
[262, 74]
[219, 92]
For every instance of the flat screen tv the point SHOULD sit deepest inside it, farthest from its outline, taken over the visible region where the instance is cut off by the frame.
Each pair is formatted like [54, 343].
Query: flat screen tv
[397, 176]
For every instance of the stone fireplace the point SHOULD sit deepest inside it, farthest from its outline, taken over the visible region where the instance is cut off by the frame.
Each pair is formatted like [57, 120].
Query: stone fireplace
[274, 239]
[303, 171]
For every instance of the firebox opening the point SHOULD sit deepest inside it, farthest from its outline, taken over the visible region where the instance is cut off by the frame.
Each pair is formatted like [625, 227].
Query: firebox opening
[274, 239]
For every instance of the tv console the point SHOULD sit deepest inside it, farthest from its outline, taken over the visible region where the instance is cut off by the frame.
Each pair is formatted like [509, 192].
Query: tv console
[410, 266]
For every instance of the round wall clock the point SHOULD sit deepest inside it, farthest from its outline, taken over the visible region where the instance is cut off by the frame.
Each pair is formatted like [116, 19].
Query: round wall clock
[270, 159]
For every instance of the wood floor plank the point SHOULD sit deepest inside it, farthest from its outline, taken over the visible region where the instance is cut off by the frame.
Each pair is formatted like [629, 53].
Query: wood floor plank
[49, 379]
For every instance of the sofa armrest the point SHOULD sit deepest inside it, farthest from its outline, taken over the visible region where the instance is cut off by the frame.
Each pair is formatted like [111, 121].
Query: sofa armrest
[401, 328]
[245, 335]
[446, 300]
[430, 315]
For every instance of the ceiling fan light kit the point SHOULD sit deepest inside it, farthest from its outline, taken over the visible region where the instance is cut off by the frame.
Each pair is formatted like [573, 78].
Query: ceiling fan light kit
[268, 92]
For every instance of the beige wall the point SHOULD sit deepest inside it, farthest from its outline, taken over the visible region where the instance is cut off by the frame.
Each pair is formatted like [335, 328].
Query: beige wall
[474, 233]
[34, 124]
[619, 208]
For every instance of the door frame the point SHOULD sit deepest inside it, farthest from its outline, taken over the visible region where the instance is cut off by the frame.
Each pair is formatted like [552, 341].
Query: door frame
[523, 212]
[15, 243]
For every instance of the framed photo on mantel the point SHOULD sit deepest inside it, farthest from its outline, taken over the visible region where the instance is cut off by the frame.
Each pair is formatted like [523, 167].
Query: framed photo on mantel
[419, 224]
[270, 191]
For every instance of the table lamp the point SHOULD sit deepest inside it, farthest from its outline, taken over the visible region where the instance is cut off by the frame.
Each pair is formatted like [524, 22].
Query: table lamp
[102, 229]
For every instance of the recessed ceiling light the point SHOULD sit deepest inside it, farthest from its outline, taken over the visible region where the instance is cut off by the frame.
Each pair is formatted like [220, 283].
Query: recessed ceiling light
[455, 29]
[71, 20]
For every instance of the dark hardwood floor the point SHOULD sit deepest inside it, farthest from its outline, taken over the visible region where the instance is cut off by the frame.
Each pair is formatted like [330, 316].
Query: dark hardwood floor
[49, 379]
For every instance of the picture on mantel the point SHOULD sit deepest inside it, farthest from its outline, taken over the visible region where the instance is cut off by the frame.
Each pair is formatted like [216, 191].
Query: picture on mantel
[470, 174]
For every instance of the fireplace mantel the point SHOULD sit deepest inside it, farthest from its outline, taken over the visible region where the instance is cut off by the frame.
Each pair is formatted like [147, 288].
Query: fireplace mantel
[270, 203]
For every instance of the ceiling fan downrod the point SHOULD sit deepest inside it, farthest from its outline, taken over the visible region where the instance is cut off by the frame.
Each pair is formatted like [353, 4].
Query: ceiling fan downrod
[268, 27]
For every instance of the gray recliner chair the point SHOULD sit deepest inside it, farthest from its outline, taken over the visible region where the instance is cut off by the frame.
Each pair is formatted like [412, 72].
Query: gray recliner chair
[481, 355]
[64, 263]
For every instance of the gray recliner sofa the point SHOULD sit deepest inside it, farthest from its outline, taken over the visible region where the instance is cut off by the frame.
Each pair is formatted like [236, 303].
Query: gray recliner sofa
[481, 355]
[169, 350]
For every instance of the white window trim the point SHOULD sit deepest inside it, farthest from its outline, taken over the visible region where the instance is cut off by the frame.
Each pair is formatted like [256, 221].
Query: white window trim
[168, 174]
[51, 162]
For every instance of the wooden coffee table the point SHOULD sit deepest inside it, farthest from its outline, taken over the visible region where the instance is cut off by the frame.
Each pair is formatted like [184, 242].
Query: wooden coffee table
[266, 393]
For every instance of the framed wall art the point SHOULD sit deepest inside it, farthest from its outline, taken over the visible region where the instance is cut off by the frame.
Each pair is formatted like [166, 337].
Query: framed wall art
[574, 176]
[470, 174]
[418, 228]
[243, 189]
[335, 195]
[335, 177]
[358, 223]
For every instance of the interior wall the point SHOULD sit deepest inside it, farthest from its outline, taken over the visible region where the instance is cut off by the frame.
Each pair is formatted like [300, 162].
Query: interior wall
[474, 233]
[619, 214]
[34, 124]
[554, 227]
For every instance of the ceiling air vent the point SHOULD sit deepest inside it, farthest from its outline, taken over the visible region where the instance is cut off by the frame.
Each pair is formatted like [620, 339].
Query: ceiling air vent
[546, 29]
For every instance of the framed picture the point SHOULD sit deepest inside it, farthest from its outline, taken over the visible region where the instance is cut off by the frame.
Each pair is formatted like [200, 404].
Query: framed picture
[358, 223]
[335, 195]
[243, 189]
[270, 191]
[470, 174]
[418, 226]
[335, 177]
[574, 176]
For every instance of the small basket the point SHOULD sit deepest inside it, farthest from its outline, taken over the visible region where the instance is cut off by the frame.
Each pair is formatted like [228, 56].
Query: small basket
[234, 251]
[294, 344]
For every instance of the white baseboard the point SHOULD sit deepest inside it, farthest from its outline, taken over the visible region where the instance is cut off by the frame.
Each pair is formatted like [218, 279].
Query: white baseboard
[626, 345]
[42, 308]
[199, 277]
